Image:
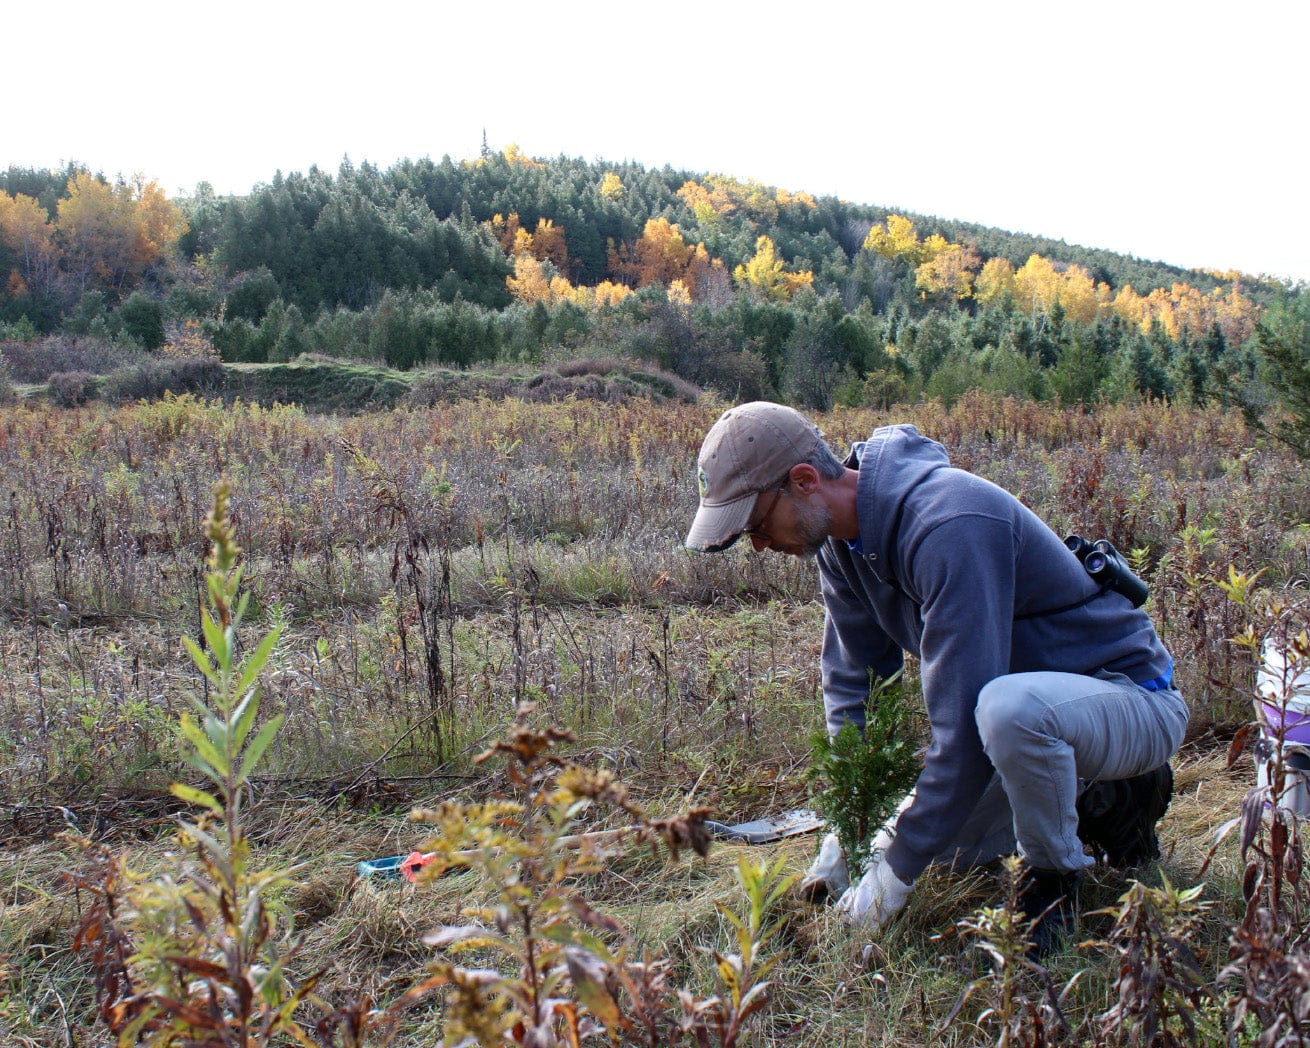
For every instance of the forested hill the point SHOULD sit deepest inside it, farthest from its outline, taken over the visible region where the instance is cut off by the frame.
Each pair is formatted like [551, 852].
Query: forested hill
[748, 288]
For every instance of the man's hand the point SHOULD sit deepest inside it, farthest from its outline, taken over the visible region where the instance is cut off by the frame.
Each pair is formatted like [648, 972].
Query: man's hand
[827, 877]
[880, 895]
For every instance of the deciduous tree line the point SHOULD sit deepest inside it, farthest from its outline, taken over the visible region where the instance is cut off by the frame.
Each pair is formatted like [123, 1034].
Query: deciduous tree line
[748, 288]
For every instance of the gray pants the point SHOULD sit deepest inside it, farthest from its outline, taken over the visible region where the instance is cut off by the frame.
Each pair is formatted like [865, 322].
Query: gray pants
[1048, 735]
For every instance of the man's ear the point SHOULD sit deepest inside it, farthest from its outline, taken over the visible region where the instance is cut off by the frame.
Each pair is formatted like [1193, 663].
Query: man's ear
[804, 478]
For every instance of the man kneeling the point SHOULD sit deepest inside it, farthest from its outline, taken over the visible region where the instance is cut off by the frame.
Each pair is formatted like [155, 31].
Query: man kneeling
[1037, 679]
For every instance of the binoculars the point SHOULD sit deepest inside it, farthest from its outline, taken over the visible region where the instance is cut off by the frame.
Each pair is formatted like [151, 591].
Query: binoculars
[1108, 568]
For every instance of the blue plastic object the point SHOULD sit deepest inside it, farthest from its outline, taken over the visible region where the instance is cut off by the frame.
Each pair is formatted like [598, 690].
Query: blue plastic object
[388, 867]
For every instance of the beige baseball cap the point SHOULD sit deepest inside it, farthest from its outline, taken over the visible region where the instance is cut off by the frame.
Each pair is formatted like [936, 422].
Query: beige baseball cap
[750, 447]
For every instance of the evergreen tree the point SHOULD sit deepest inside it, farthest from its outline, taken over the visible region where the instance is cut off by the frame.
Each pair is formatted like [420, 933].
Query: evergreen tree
[1284, 345]
[141, 318]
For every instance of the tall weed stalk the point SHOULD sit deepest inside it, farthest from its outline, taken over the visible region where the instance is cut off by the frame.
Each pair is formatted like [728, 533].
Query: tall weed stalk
[194, 957]
[1011, 1010]
[1159, 981]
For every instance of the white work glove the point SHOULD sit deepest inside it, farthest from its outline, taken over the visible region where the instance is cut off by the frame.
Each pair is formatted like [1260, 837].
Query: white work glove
[880, 895]
[827, 876]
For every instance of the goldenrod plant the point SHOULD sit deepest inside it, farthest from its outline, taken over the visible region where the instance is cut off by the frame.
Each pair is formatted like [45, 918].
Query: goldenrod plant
[742, 973]
[552, 969]
[1005, 934]
[1160, 984]
[194, 957]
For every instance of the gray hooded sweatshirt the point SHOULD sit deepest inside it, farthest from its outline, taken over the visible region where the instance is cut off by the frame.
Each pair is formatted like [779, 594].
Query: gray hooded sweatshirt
[958, 572]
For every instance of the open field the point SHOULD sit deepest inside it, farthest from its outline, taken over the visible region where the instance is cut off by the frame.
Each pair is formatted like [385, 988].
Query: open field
[436, 567]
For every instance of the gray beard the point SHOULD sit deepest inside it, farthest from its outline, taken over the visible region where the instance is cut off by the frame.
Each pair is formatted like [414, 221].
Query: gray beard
[813, 523]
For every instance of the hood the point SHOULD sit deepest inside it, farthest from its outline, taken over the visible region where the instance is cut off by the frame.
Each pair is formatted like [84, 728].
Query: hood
[892, 462]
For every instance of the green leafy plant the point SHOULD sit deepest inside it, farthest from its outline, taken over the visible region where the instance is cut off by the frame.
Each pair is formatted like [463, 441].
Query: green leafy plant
[858, 778]
[742, 973]
[193, 957]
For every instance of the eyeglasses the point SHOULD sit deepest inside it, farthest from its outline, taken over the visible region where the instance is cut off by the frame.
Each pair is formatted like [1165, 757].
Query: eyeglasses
[756, 531]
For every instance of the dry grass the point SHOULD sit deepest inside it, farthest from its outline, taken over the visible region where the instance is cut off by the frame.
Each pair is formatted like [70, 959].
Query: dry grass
[695, 678]
[833, 985]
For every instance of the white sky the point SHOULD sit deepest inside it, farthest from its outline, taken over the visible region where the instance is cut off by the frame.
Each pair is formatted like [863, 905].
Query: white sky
[1167, 130]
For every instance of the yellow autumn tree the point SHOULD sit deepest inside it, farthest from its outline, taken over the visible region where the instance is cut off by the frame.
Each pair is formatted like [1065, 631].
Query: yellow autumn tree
[506, 231]
[707, 204]
[1077, 294]
[948, 271]
[26, 231]
[995, 284]
[897, 239]
[1160, 310]
[515, 157]
[766, 275]
[1132, 308]
[536, 280]
[530, 282]
[701, 273]
[785, 198]
[611, 186]
[932, 246]
[1195, 311]
[608, 293]
[1235, 314]
[1036, 286]
[679, 295]
[752, 198]
[160, 224]
[662, 255]
[112, 234]
[548, 244]
[522, 244]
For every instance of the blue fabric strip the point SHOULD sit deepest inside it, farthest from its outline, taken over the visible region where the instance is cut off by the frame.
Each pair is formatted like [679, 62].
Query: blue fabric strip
[1165, 680]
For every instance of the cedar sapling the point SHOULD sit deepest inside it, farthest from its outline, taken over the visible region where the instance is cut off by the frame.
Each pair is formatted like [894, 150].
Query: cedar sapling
[858, 778]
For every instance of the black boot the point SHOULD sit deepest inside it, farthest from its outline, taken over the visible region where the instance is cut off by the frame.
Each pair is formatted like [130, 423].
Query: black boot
[1051, 898]
[1117, 819]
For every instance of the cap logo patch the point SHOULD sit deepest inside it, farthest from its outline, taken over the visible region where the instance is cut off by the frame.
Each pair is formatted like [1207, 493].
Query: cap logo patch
[702, 481]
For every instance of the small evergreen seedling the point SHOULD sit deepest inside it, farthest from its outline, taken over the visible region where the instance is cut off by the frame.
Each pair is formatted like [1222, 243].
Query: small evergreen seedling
[860, 777]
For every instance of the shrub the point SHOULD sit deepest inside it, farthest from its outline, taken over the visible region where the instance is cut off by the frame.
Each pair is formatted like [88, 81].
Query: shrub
[439, 387]
[34, 362]
[565, 966]
[70, 389]
[250, 299]
[151, 379]
[739, 376]
[7, 392]
[21, 330]
[601, 366]
[547, 386]
[860, 777]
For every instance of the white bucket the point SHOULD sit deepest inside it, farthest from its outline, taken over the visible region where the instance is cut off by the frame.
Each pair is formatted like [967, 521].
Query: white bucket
[1284, 710]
